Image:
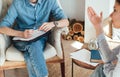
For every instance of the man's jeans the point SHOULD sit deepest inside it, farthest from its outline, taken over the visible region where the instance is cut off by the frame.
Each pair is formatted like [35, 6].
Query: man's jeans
[34, 58]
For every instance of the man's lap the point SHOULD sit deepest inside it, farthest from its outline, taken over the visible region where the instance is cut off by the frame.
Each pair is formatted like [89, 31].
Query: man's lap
[22, 45]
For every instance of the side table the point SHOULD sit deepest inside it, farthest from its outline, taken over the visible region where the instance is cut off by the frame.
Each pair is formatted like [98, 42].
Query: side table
[82, 64]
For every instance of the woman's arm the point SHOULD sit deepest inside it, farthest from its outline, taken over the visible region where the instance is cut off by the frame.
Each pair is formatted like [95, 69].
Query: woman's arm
[107, 54]
[105, 51]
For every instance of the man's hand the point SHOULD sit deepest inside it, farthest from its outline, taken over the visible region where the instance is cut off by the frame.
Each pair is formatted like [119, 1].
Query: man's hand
[27, 33]
[46, 26]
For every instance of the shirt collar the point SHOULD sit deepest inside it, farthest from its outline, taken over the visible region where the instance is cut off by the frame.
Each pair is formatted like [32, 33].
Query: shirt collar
[28, 2]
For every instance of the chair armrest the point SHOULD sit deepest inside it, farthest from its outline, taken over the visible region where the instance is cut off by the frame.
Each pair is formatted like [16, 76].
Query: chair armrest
[56, 41]
[4, 43]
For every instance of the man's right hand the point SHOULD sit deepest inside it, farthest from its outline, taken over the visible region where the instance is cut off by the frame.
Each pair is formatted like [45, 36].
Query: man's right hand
[28, 33]
[11, 32]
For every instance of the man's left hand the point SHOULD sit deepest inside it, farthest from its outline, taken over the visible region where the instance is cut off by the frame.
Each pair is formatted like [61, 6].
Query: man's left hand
[46, 26]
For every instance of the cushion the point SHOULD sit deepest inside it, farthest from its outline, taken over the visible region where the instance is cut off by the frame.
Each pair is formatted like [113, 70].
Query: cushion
[2, 49]
[4, 43]
[12, 54]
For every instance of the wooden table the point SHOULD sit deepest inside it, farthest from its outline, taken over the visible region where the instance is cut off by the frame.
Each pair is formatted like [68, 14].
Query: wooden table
[80, 63]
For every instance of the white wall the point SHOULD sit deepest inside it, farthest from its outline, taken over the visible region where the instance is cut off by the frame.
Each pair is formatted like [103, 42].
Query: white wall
[112, 2]
[74, 8]
[99, 5]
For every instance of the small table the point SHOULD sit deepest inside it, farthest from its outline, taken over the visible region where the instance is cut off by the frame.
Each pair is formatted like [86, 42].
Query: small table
[82, 64]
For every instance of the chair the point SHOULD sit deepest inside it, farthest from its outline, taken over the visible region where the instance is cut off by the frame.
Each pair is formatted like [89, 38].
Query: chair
[53, 52]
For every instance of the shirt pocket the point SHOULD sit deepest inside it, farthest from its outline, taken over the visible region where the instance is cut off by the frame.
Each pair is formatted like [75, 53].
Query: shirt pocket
[44, 15]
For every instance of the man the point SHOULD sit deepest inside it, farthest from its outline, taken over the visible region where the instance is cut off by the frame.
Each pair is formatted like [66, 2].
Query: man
[30, 15]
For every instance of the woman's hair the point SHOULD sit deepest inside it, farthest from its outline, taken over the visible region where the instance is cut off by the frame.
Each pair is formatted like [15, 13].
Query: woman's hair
[118, 1]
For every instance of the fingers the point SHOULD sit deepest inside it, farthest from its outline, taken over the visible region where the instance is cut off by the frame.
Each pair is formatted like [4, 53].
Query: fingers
[91, 12]
[43, 26]
[46, 26]
[28, 33]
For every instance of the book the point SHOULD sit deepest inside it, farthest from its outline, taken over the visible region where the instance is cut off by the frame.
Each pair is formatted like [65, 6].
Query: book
[95, 56]
[36, 34]
[83, 55]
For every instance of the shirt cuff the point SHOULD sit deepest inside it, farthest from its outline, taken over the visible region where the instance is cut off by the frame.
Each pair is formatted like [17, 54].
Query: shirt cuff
[101, 37]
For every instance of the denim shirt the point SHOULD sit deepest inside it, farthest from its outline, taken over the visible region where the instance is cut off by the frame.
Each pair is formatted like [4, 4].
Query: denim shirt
[28, 16]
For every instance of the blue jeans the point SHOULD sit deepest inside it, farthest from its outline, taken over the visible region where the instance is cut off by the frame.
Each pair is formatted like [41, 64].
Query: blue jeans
[34, 58]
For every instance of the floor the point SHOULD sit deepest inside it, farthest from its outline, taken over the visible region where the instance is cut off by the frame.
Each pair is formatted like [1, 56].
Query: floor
[54, 69]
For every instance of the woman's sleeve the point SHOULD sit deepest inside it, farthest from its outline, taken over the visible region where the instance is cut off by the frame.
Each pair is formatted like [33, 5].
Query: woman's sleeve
[107, 54]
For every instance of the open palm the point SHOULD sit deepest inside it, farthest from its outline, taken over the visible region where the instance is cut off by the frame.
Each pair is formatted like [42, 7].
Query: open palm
[94, 18]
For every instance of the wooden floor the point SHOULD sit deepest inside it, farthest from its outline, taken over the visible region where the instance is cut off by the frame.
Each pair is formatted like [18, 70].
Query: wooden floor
[54, 69]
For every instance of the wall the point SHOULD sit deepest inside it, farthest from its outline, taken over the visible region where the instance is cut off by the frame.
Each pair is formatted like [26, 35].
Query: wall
[111, 5]
[74, 8]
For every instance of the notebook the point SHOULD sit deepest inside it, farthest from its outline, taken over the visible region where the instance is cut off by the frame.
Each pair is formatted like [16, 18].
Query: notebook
[95, 56]
[35, 35]
[83, 55]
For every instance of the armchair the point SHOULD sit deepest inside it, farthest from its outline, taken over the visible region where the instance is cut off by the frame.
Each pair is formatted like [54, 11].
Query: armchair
[11, 58]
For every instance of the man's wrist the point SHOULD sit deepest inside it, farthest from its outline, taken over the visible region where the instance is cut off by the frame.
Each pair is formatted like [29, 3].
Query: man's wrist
[55, 23]
[21, 34]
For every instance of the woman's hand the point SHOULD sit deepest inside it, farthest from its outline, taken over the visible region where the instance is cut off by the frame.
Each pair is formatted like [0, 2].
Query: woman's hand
[46, 26]
[95, 20]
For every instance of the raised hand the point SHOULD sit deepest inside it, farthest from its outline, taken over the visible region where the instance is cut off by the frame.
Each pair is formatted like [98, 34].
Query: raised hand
[95, 19]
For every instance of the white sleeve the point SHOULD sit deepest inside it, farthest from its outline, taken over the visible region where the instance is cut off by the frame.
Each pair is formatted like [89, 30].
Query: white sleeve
[108, 55]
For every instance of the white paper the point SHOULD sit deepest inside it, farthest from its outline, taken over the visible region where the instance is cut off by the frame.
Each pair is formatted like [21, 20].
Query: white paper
[83, 55]
[35, 34]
